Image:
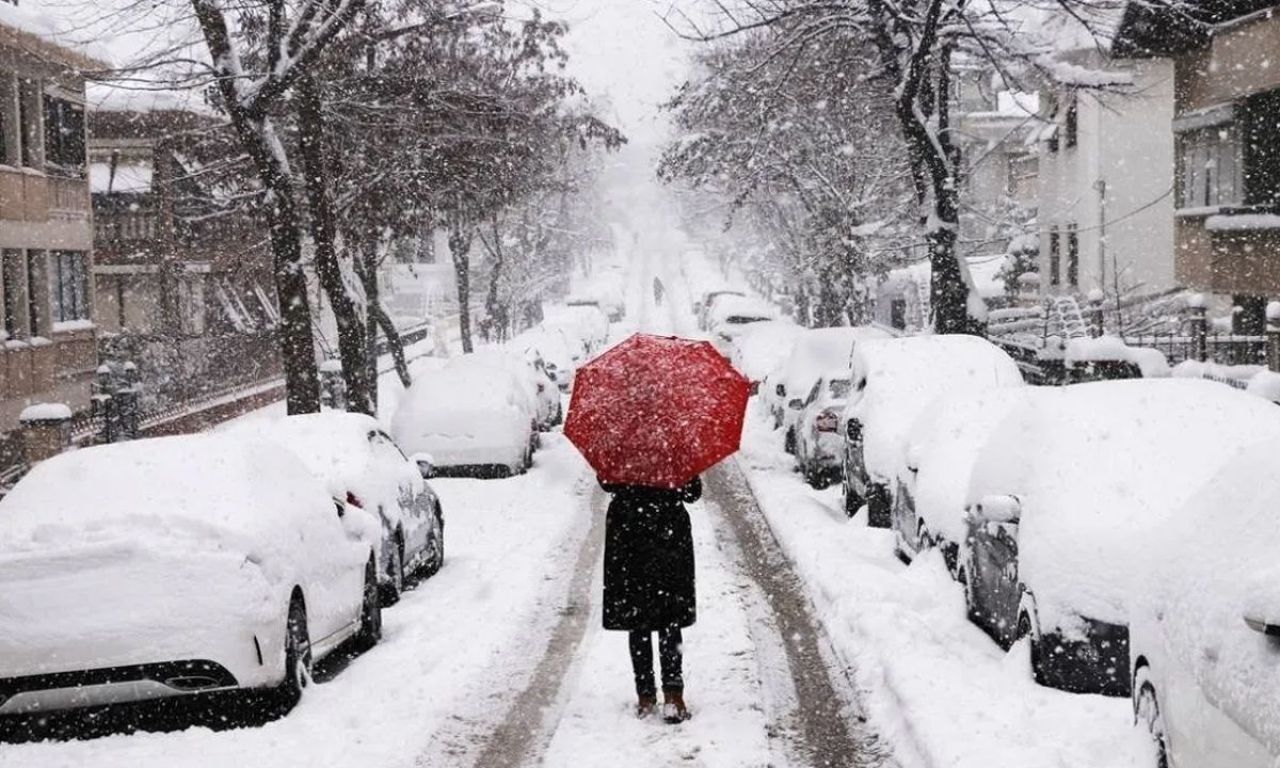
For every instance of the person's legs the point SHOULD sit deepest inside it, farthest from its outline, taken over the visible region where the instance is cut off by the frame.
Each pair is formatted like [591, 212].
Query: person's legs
[642, 664]
[671, 656]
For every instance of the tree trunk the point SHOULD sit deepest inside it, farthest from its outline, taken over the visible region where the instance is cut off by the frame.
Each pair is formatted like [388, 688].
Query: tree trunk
[351, 331]
[367, 263]
[297, 344]
[394, 342]
[460, 249]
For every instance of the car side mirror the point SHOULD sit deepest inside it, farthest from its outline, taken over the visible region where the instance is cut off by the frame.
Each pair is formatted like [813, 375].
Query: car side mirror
[998, 508]
[426, 465]
[1265, 626]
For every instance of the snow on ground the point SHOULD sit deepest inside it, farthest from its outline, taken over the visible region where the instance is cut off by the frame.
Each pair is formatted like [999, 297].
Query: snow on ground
[598, 727]
[469, 629]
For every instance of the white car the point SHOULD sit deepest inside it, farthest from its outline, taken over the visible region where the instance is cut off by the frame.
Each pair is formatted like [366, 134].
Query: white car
[588, 321]
[176, 566]
[941, 448]
[761, 347]
[702, 307]
[545, 377]
[469, 419]
[893, 381]
[555, 351]
[814, 352]
[1204, 626]
[543, 396]
[818, 444]
[730, 315]
[360, 463]
[1065, 500]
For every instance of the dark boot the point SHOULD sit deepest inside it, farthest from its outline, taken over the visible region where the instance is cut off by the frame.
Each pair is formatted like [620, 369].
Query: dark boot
[646, 706]
[673, 707]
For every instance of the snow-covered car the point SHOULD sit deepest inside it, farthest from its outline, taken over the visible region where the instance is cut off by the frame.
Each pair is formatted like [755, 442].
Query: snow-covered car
[1065, 499]
[893, 381]
[929, 502]
[589, 322]
[542, 395]
[605, 296]
[761, 347]
[813, 353]
[729, 316]
[359, 462]
[470, 419]
[1205, 621]
[818, 443]
[545, 377]
[702, 307]
[556, 351]
[177, 566]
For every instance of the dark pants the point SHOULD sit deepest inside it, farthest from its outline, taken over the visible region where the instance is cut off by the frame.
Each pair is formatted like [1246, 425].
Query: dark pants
[670, 654]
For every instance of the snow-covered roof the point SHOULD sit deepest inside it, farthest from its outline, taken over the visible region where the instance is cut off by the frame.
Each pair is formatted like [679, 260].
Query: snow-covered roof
[729, 305]
[47, 29]
[1098, 467]
[820, 350]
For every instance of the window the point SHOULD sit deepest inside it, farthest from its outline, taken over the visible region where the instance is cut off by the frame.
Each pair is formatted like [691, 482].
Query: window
[28, 121]
[1055, 256]
[14, 283]
[64, 134]
[1261, 149]
[840, 389]
[1073, 256]
[1072, 127]
[898, 314]
[191, 305]
[1211, 172]
[68, 284]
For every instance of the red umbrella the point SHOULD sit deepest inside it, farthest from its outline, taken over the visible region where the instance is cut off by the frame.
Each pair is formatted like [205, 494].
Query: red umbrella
[657, 411]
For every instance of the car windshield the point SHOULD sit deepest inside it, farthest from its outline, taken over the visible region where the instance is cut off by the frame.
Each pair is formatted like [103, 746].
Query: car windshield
[840, 389]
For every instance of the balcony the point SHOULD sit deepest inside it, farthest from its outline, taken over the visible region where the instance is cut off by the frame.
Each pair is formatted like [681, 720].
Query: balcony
[27, 195]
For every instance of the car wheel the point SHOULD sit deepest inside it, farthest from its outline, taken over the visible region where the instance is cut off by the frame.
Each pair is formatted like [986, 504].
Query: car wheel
[1147, 713]
[370, 610]
[297, 658]
[394, 587]
[852, 501]
[1026, 631]
[435, 550]
[879, 506]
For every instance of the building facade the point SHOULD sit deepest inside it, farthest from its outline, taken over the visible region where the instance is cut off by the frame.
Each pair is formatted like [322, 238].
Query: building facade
[183, 278]
[47, 327]
[1227, 149]
[1106, 184]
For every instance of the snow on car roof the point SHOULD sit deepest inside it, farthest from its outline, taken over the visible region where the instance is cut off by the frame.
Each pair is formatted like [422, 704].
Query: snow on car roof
[945, 439]
[1098, 467]
[202, 489]
[902, 376]
[818, 350]
[334, 445]
[733, 305]
[762, 346]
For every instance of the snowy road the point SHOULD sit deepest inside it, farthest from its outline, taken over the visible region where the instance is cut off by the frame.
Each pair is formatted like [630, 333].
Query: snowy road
[500, 660]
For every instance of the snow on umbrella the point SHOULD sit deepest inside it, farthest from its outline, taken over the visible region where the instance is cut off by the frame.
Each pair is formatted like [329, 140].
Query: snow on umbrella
[657, 411]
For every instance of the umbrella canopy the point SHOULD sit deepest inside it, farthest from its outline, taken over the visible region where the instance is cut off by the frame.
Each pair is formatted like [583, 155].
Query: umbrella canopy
[657, 411]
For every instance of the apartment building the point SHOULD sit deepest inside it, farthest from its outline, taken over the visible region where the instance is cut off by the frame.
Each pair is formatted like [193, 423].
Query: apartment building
[49, 350]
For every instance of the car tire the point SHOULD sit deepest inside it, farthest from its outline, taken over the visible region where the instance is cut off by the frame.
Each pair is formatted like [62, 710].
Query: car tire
[852, 501]
[1026, 631]
[1146, 713]
[435, 555]
[394, 587]
[370, 610]
[297, 659]
[879, 506]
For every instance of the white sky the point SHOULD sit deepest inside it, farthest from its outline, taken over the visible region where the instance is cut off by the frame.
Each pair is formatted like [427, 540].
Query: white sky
[623, 51]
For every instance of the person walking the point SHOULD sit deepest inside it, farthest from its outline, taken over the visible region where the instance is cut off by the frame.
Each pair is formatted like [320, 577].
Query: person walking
[649, 586]
[658, 290]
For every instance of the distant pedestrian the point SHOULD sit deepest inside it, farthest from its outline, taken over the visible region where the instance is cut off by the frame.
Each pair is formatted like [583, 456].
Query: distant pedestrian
[649, 586]
[658, 291]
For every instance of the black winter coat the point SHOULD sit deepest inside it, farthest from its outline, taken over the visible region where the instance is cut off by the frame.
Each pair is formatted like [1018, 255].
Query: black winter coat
[648, 558]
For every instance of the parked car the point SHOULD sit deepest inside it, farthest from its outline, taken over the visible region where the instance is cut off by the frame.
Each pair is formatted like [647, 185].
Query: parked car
[555, 350]
[1205, 621]
[815, 352]
[360, 463]
[175, 567]
[819, 446]
[729, 316]
[702, 307]
[587, 322]
[893, 380]
[762, 347]
[928, 507]
[545, 376]
[469, 420]
[542, 395]
[606, 296]
[1065, 499]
